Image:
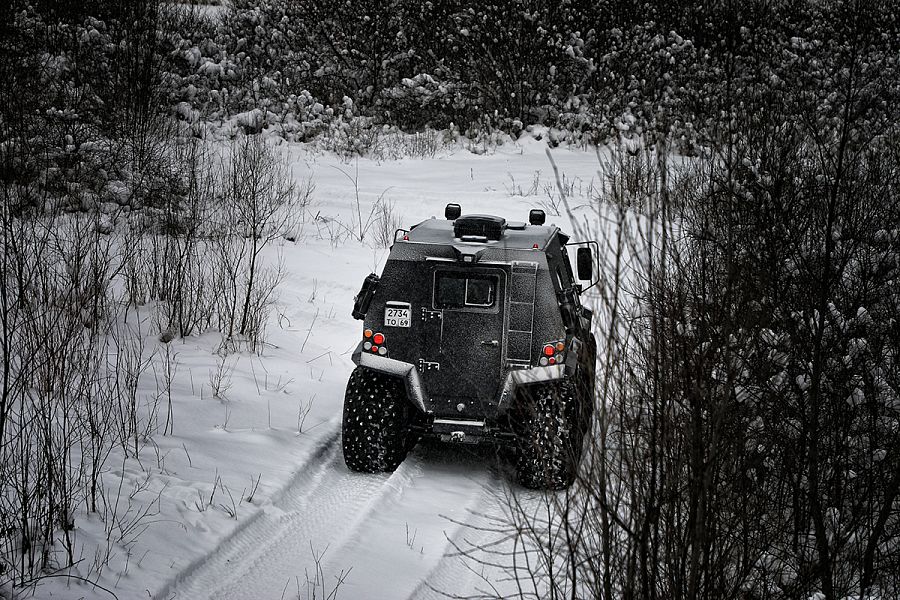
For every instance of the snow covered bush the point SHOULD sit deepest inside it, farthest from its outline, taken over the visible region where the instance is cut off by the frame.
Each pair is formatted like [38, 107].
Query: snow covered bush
[402, 63]
[748, 433]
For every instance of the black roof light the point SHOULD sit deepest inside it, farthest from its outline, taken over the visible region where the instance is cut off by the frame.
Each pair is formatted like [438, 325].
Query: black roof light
[452, 212]
[536, 216]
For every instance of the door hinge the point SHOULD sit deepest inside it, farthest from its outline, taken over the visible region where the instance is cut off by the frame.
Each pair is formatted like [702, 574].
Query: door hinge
[428, 314]
[427, 365]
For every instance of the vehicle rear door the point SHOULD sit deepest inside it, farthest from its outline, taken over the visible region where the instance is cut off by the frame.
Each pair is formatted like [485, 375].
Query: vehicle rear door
[465, 339]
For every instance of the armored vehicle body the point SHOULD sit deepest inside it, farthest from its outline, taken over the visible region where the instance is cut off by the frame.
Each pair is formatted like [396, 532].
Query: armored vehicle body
[475, 332]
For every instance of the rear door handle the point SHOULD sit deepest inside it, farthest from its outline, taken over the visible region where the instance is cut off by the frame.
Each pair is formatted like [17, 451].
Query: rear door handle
[493, 343]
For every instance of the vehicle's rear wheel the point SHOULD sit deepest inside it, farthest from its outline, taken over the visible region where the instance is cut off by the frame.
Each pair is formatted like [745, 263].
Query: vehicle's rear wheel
[375, 426]
[546, 421]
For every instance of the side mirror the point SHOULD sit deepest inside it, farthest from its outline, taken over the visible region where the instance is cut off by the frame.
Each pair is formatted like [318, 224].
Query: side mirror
[585, 263]
[364, 297]
[452, 212]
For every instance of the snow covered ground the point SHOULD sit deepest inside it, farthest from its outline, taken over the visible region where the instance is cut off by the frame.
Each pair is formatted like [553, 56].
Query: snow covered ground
[251, 487]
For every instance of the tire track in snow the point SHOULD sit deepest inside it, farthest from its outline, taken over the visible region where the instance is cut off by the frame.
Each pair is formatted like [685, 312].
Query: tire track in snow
[321, 506]
[407, 547]
[229, 547]
[456, 573]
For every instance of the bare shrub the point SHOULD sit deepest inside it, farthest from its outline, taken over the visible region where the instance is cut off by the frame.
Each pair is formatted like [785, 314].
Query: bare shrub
[197, 253]
[423, 144]
[317, 586]
[516, 189]
[70, 374]
[167, 245]
[363, 137]
[380, 215]
[420, 144]
[556, 192]
[629, 176]
[260, 203]
[386, 222]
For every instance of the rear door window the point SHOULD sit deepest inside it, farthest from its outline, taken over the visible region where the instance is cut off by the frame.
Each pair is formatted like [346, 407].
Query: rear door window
[464, 290]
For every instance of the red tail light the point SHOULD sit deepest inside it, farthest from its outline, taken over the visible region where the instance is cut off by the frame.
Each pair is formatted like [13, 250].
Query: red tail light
[374, 343]
[552, 353]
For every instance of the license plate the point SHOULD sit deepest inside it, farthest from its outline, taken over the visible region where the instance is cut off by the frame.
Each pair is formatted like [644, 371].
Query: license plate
[397, 315]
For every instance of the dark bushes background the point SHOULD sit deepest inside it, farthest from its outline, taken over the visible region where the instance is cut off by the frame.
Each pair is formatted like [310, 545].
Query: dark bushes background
[590, 70]
[748, 442]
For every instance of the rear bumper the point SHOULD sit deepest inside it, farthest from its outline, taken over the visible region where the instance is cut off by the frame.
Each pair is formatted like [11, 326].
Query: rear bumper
[418, 394]
[465, 431]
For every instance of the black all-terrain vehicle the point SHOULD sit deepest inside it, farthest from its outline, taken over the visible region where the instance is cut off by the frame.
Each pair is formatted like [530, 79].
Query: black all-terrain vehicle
[475, 332]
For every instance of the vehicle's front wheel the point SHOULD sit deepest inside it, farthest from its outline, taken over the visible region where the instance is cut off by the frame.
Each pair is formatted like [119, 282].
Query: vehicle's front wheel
[546, 421]
[375, 426]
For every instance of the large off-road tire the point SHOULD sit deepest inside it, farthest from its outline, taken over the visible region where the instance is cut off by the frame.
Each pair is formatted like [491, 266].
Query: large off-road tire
[546, 421]
[375, 427]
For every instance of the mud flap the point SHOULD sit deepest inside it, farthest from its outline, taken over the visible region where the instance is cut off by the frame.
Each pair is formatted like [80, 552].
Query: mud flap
[415, 390]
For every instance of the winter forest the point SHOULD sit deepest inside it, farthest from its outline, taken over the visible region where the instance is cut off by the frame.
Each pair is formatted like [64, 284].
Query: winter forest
[193, 192]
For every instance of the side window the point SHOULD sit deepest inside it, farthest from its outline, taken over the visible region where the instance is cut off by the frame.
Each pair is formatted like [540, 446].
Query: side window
[462, 290]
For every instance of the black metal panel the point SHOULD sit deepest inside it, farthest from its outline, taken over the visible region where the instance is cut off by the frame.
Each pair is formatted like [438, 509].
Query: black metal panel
[523, 285]
[469, 350]
[547, 320]
[520, 317]
[401, 281]
[519, 346]
[479, 225]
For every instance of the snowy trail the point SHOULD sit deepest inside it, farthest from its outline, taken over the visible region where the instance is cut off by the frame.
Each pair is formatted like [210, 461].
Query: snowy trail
[239, 416]
[370, 525]
[455, 574]
[447, 490]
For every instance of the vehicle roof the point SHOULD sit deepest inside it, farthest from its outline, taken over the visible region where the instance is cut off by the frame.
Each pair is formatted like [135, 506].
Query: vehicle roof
[518, 236]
